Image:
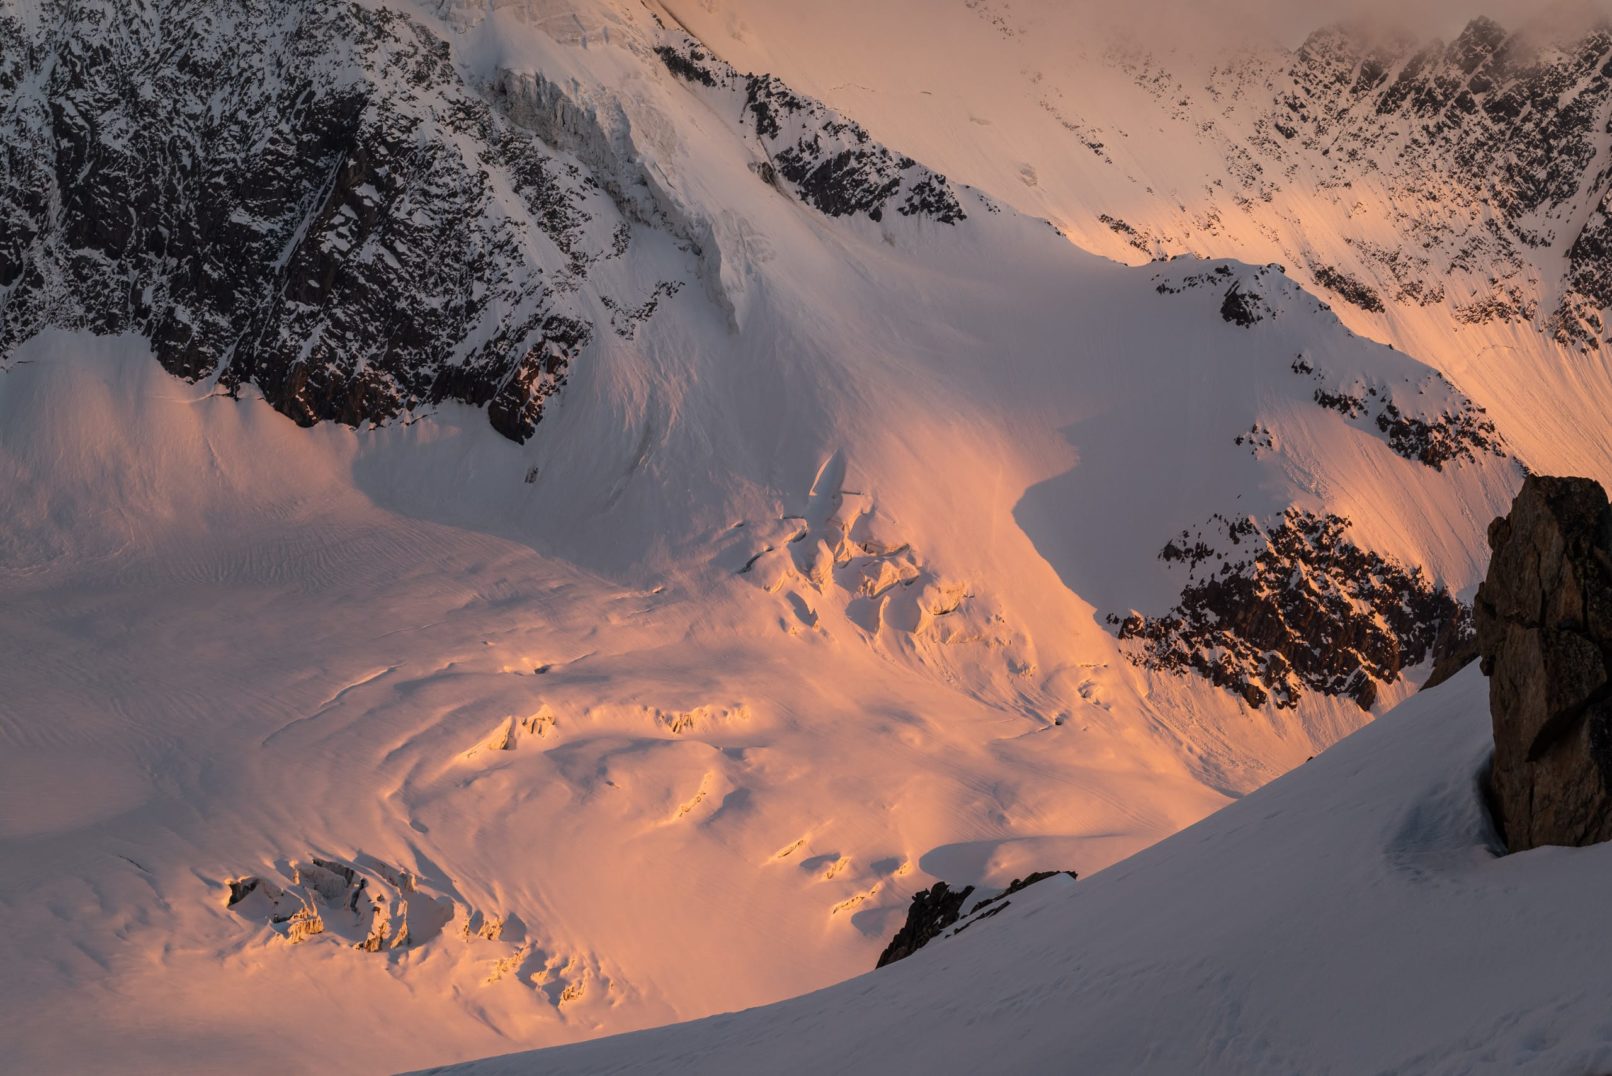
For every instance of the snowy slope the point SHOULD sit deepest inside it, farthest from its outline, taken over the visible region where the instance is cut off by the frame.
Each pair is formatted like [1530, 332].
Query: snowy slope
[806, 590]
[1353, 916]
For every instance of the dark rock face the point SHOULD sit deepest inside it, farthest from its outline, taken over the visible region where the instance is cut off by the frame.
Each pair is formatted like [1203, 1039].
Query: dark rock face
[301, 196]
[937, 911]
[1269, 613]
[1544, 618]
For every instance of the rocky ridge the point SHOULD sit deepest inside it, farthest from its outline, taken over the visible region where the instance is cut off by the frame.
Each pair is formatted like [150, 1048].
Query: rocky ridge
[1429, 421]
[1515, 123]
[1292, 602]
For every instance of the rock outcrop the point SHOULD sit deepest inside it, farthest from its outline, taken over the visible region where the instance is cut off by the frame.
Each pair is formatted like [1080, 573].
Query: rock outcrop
[937, 912]
[1427, 420]
[1271, 611]
[1544, 619]
[932, 911]
[359, 234]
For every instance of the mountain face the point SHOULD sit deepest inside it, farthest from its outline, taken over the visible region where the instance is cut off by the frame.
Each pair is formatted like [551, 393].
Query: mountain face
[1493, 147]
[845, 525]
[1447, 197]
[361, 235]
[1489, 154]
[309, 199]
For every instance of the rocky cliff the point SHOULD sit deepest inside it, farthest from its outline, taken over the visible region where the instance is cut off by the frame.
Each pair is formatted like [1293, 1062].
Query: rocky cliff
[1544, 618]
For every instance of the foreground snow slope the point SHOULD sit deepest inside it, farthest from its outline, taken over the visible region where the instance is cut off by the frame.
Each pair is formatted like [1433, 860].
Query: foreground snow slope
[1353, 916]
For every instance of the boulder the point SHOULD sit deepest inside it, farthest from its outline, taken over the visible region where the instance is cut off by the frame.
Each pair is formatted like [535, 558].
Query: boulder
[1544, 624]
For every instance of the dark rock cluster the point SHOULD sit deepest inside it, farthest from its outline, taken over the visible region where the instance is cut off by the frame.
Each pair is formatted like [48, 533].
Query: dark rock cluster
[1461, 432]
[1544, 623]
[1259, 439]
[1348, 288]
[1589, 279]
[1131, 234]
[1269, 613]
[1244, 308]
[931, 912]
[938, 911]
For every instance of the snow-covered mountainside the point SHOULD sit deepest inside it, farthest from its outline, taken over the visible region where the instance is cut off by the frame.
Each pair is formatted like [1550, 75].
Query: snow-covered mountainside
[1354, 916]
[1448, 197]
[707, 519]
